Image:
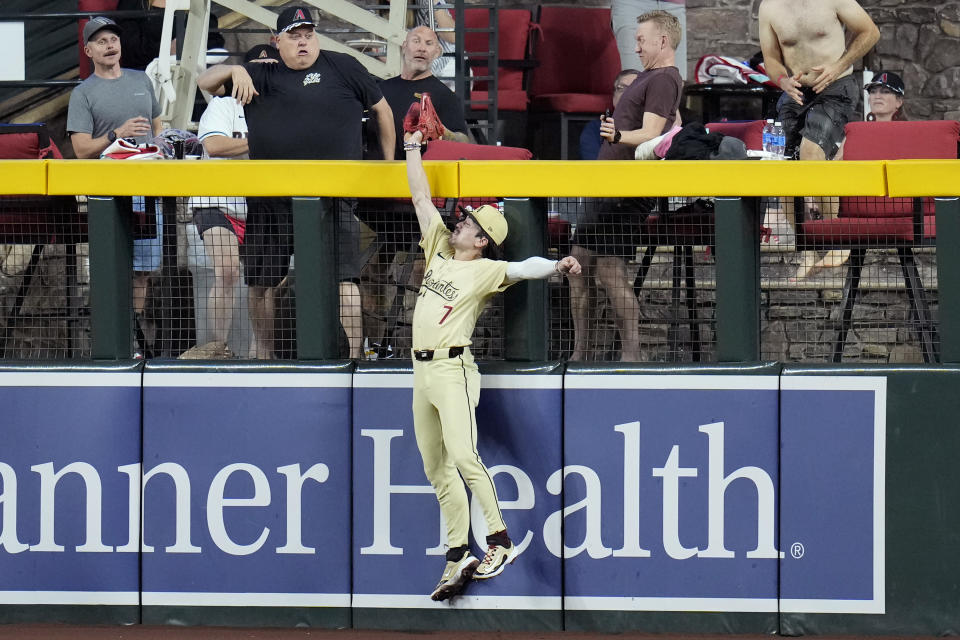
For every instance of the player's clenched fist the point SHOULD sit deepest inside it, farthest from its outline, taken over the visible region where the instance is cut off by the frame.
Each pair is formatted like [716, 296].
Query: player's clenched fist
[569, 266]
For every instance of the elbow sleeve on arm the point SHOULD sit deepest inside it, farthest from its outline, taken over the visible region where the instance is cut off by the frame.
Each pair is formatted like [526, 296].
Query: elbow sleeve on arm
[534, 268]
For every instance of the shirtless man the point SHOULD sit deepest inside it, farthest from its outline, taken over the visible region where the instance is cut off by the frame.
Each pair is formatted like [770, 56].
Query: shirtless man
[806, 50]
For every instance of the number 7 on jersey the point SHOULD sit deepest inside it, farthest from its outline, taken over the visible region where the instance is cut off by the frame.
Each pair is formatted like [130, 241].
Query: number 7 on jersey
[449, 309]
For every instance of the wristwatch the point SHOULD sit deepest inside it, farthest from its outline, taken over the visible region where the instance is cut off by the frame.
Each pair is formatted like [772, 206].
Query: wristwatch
[616, 136]
[112, 136]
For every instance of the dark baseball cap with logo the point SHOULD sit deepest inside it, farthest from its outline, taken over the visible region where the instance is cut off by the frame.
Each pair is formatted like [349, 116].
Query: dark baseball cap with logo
[293, 17]
[96, 24]
[887, 79]
[262, 52]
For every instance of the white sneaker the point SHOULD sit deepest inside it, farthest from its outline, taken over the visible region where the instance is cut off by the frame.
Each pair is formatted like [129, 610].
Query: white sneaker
[497, 558]
[455, 576]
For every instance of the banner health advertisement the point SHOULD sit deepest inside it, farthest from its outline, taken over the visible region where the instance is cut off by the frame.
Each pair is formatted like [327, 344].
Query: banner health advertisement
[672, 492]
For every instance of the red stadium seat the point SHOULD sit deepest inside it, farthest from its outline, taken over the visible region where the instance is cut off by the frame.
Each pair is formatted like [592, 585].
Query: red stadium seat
[884, 223]
[512, 40]
[750, 131]
[577, 64]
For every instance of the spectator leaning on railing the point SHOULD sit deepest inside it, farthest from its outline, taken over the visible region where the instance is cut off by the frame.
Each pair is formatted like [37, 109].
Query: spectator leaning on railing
[221, 221]
[646, 110]
[309, 106]
[116, 103]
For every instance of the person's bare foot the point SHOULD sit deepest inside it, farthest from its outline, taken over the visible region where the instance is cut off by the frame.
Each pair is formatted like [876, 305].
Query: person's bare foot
[834, 258]
[809, 265]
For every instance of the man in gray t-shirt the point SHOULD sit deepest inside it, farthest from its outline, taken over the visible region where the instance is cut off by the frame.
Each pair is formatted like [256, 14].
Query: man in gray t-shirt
[113, 102]
[116, 103]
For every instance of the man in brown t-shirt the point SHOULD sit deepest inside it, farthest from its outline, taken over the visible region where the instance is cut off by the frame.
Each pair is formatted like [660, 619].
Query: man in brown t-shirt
[647, 109]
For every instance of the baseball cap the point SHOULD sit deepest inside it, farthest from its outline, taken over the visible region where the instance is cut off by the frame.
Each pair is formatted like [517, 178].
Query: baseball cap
[96, 24]
[887, 79]
[261, 52]
[293, 17]
[492, 222]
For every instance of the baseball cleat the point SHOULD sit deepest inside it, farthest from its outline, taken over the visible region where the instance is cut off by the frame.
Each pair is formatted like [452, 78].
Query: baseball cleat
[494, 562]
[455, 576]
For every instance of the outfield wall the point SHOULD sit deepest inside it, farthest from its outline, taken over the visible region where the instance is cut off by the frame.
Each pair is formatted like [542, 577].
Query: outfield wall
[729, 498]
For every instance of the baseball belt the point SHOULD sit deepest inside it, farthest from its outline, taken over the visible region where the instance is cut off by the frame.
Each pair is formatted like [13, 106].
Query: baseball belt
[425, 355]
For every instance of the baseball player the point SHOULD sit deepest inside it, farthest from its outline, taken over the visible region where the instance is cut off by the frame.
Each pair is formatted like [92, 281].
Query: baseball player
[462, 272]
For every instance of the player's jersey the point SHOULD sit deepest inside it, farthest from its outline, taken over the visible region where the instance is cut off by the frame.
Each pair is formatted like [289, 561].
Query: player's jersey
[453, 292]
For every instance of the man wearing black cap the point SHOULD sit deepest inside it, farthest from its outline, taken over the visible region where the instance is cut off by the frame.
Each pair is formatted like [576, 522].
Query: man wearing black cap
[113, 102]
[116, 103]
[308, 107]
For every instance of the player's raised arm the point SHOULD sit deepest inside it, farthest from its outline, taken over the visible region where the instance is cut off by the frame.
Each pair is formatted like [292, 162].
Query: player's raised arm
[417, 179]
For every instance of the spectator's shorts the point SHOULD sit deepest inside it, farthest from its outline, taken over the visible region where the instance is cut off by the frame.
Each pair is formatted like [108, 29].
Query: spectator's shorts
[268, 241]
[821, 118]
[148, 252]
[210, 217]
[613, 226]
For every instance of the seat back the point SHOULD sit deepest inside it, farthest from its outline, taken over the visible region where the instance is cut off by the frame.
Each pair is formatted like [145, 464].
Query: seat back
[749, 131]
[920, 139]
[34, 219]
[27, 142]
[512, 38]
[449, 150]
[577, 54]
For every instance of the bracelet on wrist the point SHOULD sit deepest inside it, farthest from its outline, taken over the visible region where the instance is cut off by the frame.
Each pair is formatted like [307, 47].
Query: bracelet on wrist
[411, 146]
[556, 266]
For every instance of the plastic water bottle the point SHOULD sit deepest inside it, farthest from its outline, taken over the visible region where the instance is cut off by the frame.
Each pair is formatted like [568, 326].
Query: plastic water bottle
[779, 140]
[767, 140]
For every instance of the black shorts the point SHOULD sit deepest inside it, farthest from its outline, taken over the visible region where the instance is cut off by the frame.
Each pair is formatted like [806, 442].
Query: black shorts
[613, 226]
[821, 118]
[207, 218]
[268, 241]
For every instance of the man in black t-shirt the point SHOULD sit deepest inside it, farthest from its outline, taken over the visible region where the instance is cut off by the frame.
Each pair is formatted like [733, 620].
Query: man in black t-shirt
[307, 107]
[417, 53]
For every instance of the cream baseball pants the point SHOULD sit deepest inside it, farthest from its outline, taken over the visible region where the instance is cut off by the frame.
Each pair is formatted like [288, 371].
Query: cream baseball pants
[445, 396]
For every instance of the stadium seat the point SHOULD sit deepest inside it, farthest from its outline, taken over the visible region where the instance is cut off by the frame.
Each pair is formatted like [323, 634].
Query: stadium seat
[577, 61]
[689, 226]
[901, 224]
[28, 224]
[749, 131]
[512, 45]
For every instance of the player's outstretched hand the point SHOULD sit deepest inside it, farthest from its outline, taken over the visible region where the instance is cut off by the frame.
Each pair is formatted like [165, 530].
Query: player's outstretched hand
[416, 137]
[569, 266]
